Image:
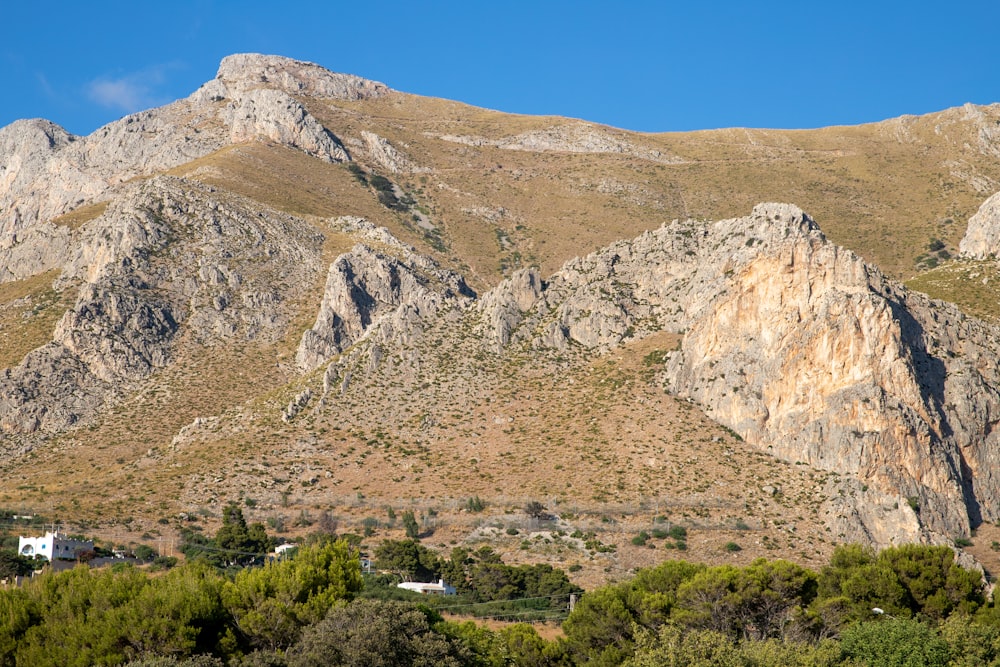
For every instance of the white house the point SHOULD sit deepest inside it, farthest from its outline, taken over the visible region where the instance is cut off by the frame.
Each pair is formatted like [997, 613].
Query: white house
[281, 551]
[440, 588]
[53, 546]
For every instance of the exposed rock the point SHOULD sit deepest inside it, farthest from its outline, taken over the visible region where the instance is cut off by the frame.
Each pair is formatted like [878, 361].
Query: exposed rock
[982, 236]
[800, 347]
[388, 156]
[226, 257]
[569, 138]
[296, 405]
[45, 171]
[247, 71]
[504, 306]
[364, 286]
[273, 115]
[32, 251]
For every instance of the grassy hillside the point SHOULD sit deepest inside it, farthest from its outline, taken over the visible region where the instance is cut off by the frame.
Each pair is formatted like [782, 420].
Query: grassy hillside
[592, 437]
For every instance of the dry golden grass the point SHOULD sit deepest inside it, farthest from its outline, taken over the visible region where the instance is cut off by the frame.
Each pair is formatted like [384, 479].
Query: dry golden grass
[884, 190]
[80, 216]
[974, 286]
[29, 312]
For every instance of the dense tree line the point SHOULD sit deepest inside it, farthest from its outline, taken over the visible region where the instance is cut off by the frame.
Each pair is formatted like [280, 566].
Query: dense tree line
[682, 609]
[108, 616]
[910, 605]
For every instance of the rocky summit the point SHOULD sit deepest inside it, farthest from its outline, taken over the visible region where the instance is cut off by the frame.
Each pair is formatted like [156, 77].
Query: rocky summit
[306, 292]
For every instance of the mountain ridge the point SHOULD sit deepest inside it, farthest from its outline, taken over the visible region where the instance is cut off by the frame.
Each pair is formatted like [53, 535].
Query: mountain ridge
[305, 281]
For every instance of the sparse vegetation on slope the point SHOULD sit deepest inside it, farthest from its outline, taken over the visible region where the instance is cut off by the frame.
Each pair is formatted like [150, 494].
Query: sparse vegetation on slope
[439, 418]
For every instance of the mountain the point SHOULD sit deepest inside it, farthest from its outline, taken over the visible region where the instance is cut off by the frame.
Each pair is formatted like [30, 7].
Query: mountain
[306, 292]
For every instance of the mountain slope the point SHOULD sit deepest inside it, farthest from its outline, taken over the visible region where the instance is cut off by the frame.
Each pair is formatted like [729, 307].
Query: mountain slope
[307, 290]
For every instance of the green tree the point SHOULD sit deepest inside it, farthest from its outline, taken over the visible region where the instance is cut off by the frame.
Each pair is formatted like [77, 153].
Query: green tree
[241, 544]
[603, 625]
[410, 525]
[535, 509]
[376, 633]
[454, 569]
[601, 629]
[18, 613]
[144, 553]
[409, 558]
[14, 565]
[271, 604]
[935, 585]
[90, 617]
[673, 645]
[709, 601]
[768, 594]
[178, 614]
[525, 648]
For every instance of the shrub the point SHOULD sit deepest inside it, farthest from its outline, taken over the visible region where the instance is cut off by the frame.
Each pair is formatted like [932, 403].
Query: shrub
[411, 525]
[732, 547]
[535, 509]
[475, 504]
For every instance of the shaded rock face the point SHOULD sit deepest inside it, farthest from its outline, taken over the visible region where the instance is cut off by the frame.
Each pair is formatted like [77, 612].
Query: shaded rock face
[365, 288]
[167, 256]
[801, 348]
[982, 236]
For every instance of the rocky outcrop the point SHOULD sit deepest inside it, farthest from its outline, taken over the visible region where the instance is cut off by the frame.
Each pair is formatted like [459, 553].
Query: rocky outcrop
[34, 250]
[383, 153]
[167, 256]
[801, 348]
[504, 307]
[569, 138]
[247, 71]
[368, 287]
[982, 236]
[274, 116]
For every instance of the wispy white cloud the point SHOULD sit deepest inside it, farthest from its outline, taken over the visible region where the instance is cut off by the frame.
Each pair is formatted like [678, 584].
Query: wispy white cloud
[130, 92]
[46, 87]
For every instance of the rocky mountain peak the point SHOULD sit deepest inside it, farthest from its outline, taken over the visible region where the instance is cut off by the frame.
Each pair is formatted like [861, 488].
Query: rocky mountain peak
[246, 71]
[45, 171]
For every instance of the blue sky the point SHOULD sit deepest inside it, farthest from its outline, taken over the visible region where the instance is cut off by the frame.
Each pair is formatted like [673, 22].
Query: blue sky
[649, 66]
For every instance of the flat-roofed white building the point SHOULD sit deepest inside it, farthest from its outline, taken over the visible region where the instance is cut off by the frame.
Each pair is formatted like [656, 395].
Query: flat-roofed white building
[53, 546]
[440, 588]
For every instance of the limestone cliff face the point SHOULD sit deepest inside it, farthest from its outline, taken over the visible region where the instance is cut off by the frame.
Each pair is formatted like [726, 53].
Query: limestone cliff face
[273, 115]
[796, 344]
[801, 348]
[982, 235]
